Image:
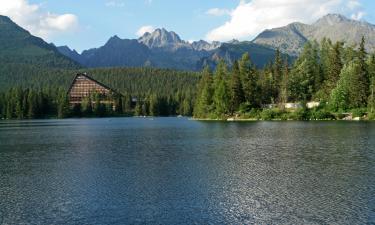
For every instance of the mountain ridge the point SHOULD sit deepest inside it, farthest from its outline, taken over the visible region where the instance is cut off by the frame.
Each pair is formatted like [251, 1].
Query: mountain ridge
[291, 38]
[164, 49]
[18, 46]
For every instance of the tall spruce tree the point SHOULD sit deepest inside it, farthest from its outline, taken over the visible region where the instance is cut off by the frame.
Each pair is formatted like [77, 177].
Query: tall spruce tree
[249, 79]
[350, 91]
[305, 77]
[334, 68]
[63, 109]
[236, 91]
[363, 75]
[371, 70]
[284, 89]
[277, 74]
[221, 94]
[203, 103]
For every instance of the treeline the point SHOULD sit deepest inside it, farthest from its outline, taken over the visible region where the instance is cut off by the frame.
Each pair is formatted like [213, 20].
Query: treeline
[341, 78]
[137, 81]
[20, 103]
[42, 93]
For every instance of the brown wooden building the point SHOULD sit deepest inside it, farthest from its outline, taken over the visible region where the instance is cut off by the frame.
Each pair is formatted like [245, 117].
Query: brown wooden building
[84, 86]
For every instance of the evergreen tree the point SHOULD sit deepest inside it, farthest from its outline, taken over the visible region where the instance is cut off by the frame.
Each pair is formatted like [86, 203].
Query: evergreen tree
[303, 80]
[154, 105]
[221, 94]
[284, 89]
[204, 100]
[236, 91]
[350, 92]
[371, 69]
[363, 75]
[31, 112]
[249, 78]
[63, 106]
[277, 74]
[333, 70]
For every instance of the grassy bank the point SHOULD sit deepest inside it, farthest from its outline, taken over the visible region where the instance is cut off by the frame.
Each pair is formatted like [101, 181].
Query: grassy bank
[303, 114]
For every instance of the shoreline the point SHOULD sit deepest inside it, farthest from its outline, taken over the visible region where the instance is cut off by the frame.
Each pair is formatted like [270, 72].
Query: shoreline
[275, 120]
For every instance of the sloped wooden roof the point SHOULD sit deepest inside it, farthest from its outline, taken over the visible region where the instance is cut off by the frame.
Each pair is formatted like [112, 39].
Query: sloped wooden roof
[93, 80]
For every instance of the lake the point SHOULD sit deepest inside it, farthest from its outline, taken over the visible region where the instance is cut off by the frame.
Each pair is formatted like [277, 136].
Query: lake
[178, 171]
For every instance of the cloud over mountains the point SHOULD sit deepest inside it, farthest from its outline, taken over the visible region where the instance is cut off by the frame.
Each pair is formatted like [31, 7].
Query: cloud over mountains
[251, 17]
[38, 21]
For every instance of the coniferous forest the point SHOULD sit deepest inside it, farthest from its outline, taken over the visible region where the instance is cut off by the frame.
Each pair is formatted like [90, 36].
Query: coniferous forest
[339, 77]
[159, 92]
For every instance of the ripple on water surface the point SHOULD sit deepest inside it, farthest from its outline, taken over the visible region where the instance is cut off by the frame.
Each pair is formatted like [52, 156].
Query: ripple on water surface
[173, 171]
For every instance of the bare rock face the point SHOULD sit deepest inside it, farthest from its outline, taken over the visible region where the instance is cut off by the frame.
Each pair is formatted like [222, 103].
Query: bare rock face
[291, 38]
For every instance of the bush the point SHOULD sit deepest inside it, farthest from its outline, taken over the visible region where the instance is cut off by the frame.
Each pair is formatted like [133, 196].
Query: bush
[245, 107]
[358, 112]
[371, 116]
[270, 114]
[320, 114]
[266, 114]
[300, 114]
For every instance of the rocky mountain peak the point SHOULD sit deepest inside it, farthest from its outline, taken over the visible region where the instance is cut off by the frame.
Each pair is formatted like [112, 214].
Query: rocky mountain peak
[160, 38]
[331, 19]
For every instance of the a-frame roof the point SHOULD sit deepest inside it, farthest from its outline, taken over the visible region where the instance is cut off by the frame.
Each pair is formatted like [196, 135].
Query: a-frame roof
[93, 80]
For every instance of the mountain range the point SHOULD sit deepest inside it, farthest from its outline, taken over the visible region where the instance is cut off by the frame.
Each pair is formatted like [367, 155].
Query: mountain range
[165, 49]
[291, 38]
[18, 46]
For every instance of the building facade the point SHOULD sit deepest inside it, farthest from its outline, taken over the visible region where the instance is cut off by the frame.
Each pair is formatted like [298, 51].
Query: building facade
[83, 86]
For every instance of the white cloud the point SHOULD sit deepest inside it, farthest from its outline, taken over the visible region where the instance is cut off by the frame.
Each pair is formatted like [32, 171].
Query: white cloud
[353, 4]
[250, 18]
[218, 12]
[358, 15]
[117, 4]
[34, 19]
[142, 30]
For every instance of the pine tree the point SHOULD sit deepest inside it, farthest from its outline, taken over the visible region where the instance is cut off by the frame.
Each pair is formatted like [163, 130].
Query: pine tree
[325, 56]
[277, 74]
[303, 80]
[236, 91]
[63, 106]
[32, 105]
[203, 104]
[249, 78]
[284, 89]
[154, 105]
[334, 68]
[221, 94]
[363, 71]
[350, 92]
[371, 69]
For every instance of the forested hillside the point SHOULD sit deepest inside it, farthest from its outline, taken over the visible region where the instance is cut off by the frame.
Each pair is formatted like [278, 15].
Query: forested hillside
[32, 92]
[19, 47]
[341, 79]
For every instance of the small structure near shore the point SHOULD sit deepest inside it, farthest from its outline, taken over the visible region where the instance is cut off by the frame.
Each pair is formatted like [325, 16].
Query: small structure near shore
[292, 105]
[83, 86]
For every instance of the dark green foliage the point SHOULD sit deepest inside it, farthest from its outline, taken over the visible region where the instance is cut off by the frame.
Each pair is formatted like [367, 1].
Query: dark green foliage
[331, 73]
[249, 79]
[204, 99]
[371, 69]
[221, 95]
[305, 76]
[236, 91]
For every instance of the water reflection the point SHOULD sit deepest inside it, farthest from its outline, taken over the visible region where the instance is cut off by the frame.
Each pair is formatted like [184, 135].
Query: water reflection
[171, 171]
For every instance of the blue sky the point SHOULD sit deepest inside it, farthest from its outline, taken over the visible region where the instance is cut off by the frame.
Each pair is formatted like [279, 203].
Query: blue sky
[83, 24]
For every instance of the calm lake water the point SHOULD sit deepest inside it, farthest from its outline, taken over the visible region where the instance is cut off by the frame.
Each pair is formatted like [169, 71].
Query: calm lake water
[176, 171]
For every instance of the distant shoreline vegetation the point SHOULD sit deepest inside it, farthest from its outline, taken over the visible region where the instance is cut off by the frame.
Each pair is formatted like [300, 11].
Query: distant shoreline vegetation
[338, 80]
